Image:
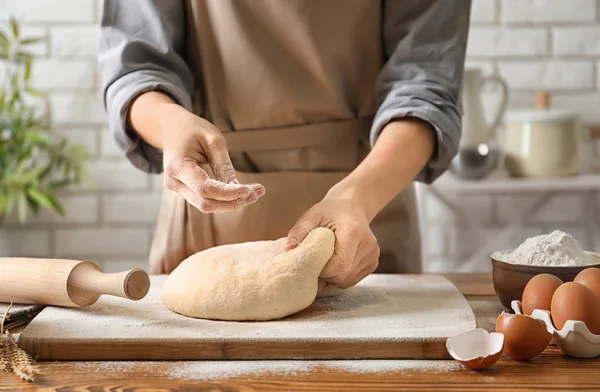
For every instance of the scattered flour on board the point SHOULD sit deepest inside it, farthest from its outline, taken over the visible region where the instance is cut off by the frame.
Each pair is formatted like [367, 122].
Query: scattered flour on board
[551, 250]
[215, 370]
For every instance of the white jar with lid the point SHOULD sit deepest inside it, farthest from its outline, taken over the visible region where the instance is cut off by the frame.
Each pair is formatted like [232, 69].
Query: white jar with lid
[543, 143]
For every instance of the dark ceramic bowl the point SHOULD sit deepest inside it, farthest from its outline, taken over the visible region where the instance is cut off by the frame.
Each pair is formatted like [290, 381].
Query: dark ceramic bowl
[510, 279]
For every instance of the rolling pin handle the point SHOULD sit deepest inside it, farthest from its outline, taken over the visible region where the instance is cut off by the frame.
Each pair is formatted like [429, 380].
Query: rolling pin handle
[133, 284]
[87, 283]
[136, 284]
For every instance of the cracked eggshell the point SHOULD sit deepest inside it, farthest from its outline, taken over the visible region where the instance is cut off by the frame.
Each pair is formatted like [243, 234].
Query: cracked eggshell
[516, 307]
[476, 349]
[574, 339]
[524, 336]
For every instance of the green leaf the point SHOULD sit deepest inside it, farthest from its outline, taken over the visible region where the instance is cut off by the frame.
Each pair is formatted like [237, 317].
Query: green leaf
[60, 183]
[57, 206]
[22, 55]
[33, 205]
[53, 203]
[29, 41]
[27, 73]
[15, 26]
[36, 138]
[34, 92]
[20, 169]
[2, 201]
[4, 41]
[45, 171]
[32, 174]
[41, 198]
[22, 207]
[10, 201]
[13, 100]
[87, 177]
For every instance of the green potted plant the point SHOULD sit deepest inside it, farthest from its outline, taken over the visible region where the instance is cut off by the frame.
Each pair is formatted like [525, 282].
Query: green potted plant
[35, 164]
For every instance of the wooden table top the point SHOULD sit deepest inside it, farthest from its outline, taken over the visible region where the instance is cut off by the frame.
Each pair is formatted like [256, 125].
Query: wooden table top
[549, 371]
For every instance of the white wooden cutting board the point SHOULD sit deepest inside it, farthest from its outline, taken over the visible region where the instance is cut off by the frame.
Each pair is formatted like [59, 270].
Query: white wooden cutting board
[385, 316]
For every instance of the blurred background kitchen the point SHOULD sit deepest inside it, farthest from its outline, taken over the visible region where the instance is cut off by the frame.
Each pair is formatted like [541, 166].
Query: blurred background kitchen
[540, 57]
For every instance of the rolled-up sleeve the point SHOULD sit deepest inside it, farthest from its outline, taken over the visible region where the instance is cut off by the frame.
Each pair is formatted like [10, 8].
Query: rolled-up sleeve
[140, 50]
[425, 43]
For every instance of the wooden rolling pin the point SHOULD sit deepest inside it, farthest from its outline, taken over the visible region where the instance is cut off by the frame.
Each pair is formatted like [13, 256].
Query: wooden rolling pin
[69, 283]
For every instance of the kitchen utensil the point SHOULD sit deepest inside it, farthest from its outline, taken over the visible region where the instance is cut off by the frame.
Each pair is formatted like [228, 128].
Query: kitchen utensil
[478, 153]
[18, 314]
[384, 316]
[473, 163]
[69, 283]
[544, 142]
[475, 130]
[510, 279]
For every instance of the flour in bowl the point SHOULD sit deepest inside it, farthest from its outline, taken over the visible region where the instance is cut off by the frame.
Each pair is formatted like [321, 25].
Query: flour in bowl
[557, 249]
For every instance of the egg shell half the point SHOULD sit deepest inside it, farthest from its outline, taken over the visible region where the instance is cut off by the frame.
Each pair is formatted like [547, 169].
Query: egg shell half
[476, 349]
[524, 337]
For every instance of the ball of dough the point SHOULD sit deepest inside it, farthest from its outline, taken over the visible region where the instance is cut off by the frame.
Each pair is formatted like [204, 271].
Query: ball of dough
[249, 281]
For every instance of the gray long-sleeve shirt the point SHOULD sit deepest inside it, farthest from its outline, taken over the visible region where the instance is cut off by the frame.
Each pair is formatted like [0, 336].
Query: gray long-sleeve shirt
[142, 45]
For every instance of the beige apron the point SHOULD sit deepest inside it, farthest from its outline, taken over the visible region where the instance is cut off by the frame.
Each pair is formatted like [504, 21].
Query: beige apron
[290, 83]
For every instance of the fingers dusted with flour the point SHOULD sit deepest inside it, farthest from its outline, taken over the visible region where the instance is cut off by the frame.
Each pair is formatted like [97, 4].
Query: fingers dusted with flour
[188, 141]
[184, 175]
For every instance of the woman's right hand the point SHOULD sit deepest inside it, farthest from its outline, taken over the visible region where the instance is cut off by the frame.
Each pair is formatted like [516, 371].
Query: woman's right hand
[195, 141]
[189, 141]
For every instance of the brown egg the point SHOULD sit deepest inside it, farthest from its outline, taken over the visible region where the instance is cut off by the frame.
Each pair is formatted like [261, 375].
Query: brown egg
[574, 301]
[538, 292]
[590, 278]
[524, 336]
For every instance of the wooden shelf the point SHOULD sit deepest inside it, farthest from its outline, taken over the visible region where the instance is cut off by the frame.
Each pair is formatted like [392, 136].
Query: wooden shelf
[502, 183]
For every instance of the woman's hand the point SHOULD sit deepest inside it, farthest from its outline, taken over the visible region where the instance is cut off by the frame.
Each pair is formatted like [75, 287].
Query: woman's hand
[356, 252]
[199, 142]
[402, 150]
[189, 141]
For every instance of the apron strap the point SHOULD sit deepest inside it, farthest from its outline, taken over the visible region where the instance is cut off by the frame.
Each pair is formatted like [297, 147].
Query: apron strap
[290, 137]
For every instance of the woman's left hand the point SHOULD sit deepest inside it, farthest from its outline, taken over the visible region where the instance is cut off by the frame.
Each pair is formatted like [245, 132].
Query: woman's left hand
[356, 252]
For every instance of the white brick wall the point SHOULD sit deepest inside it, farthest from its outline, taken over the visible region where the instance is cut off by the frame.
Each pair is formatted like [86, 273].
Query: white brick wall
[553, 44]
[553, 74]
[77, 107]
[53, 11]
[53, 74]
[79, 41]
[106, 241]
[498, 40]
[533, 44]
[108, 147]
[117, 175]
[540, 11]
[131, 208]
[573, 41]
[483, 11]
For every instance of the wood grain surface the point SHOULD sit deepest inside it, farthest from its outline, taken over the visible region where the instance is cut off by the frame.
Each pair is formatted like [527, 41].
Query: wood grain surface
[385, 316]
[551, 371]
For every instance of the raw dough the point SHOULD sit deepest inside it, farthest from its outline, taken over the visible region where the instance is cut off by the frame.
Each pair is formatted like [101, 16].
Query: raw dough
[250, 281]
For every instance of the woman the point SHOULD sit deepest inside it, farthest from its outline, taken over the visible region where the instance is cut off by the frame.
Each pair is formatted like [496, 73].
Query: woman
[333, 107]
